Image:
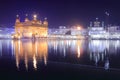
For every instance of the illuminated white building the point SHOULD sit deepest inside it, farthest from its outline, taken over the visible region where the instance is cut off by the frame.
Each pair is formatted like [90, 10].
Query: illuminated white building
[97, 31]
[6, 32]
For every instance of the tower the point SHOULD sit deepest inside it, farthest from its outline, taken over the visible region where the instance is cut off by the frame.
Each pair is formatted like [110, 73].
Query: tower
[96, 23]
[35, 17]
[26, 19]
[17, 19]
[45, 22]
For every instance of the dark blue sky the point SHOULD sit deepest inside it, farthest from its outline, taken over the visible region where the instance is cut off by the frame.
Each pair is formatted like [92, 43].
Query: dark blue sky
[60, 12]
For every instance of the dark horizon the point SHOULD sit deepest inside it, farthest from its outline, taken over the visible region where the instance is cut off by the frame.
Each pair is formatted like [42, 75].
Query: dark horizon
[60, 12]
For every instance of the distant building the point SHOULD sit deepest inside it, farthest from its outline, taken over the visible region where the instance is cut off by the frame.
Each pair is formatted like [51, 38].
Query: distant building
[97, 30]
[30, 29]
[62, 30]
[6, 32]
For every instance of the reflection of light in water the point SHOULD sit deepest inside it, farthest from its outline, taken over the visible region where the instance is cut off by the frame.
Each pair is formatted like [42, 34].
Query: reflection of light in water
[74, 45]
[103, 48]
[90, 56]
[97, 49]
[55, 46]
[1, 48]
[96, 58]
[12, 47]
[66, 47]
[102, 56]
[26, 61]
[97, 46]
[19, 45]
[45, 60]
[28, 50]
[106, 66]
[17, 61]
[25, 50]
[34, 62]
[69, 43]
[36, 48]
[78, 51]
[79, 48]
[64, 52]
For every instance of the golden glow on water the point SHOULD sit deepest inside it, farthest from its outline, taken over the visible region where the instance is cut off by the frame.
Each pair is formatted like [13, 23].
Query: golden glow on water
[34, 62]
[79, 48]
[17, 62]
[32, 53]
[78, 51]
[26, 61]
[30, 50]
[37, 51]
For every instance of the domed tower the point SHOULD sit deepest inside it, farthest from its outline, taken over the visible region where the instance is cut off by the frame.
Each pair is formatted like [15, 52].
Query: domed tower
[35, 21]
[35, 17]
[17, 19]
[26, 19]
[45, 23]
[18, 24]
[96, 23]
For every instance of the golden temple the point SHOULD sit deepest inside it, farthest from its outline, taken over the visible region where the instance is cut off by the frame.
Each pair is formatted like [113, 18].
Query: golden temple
[30, 28]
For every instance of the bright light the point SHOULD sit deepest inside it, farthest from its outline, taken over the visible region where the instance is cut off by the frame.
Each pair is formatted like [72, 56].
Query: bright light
[34, 62]
[45, 18]
[17, 15]
[79, 27]
[35, 16]
[78, 49]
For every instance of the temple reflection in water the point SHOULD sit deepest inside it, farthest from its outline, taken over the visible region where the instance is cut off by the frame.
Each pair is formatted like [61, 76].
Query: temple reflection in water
[101, 49]
[31, 53]
[30, 50]
[66, 48]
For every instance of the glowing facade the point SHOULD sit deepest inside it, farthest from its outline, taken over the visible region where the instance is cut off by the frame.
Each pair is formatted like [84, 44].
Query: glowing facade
[97, 30]
[30, 29]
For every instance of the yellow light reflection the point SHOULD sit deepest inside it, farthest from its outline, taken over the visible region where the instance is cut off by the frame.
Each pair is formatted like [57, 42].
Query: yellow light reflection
[78, 51]
[26, 61]
[79, 48]
[34, 62]
[30, 50]
[17, 62]
[45, 60]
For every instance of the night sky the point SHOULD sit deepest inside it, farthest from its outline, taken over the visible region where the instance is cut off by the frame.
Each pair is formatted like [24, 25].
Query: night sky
[60, 12]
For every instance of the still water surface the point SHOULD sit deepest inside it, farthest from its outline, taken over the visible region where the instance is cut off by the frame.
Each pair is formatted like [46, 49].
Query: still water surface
[29, 54]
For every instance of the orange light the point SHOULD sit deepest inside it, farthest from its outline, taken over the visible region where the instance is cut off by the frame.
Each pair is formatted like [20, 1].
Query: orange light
[35, 16]
[78, 28]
